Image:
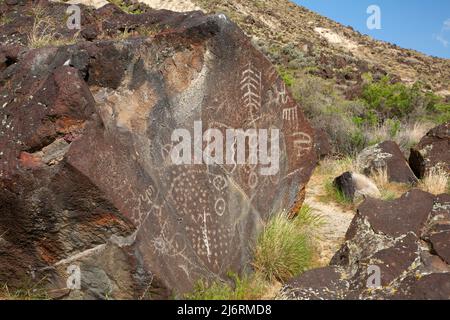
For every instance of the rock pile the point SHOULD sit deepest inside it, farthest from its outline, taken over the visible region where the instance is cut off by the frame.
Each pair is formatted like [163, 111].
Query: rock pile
[393, 250]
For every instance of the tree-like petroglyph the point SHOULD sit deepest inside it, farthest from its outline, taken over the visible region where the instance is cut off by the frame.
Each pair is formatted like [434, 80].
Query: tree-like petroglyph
[251, 88]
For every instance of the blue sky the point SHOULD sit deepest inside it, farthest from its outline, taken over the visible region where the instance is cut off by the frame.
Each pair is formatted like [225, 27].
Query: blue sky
[415, 24]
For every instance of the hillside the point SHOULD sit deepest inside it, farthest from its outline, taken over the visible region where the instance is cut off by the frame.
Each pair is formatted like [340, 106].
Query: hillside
[297, 37]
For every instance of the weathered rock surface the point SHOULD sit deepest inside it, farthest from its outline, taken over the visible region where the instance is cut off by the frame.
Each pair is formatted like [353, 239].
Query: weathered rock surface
[355, 186]
[387, 156]
[395, 238]
[86, 176]
[432, 151]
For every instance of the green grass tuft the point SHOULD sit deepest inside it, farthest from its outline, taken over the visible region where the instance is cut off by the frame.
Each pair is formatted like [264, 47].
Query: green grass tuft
[246, 288]
[284, 249]
[334, 194]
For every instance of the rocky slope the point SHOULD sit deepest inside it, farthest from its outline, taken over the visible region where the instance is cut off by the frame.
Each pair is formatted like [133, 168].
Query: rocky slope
[296, 37]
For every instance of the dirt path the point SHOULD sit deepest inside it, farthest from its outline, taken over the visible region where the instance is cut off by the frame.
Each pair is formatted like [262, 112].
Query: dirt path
[336, 221]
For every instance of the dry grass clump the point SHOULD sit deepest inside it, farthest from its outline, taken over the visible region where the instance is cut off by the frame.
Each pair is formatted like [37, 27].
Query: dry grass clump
[405, 135]
[33, 292]
[43, 32]
[436, 181]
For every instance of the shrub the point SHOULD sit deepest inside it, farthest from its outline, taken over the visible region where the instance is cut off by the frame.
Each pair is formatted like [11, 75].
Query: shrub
[287, 76]
[396, 100]
[442, 113]
[128, 8]
[389, 99]
[284, 248]
[328, 110]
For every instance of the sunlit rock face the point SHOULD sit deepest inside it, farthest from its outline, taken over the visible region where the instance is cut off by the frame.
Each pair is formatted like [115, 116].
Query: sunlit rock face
[88, 178]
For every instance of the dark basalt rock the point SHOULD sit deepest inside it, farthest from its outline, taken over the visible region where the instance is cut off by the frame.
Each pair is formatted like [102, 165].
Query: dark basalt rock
[86, 176]
[432, 151]
[406, 240]
[345, 184]
[355, 186]
[318, 284]
[387, 156]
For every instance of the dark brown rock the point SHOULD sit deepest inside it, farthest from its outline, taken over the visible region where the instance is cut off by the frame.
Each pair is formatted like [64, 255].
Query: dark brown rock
[392, 261]
[355, 186]
[441, 244]
[432, 151]
[429, 287]
[318, 284]
[396, 239]
[89, 32]
[395, 218]
[86, 176]
[345, 184]
[387, 156]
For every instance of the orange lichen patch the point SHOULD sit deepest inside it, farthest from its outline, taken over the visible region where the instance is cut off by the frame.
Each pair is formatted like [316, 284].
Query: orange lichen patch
[68, 125]
[107, 219]
[30, 161]
[45, 254]
[183, 67]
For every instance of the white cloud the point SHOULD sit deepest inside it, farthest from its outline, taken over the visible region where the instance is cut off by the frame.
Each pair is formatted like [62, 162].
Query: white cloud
[442, 36]
[446, 25]
[442, 40]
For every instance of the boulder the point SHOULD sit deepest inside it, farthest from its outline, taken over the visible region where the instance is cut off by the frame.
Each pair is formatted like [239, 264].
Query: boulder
[354, 186]
[432, 151]
[88, 178]
[387, 156]
[404, 241]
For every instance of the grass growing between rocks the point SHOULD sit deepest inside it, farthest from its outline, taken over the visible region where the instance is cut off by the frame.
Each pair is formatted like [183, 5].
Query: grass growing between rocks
[284, 250]
[31, 293]
[436, 181]
[333, 194]
[252, 287]
[128, 8]
[327, 171]
[331, 168]
[43, 32]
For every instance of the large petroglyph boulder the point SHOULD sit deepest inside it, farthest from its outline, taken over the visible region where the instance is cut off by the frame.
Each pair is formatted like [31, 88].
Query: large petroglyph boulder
[393, 250]
[87, 177]
[433, 151]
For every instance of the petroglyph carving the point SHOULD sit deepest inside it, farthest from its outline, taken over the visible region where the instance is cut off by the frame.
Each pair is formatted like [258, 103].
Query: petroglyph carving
[251, 88]
[220, 206]
[278, 95]
[290, 114]
[302, 143]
